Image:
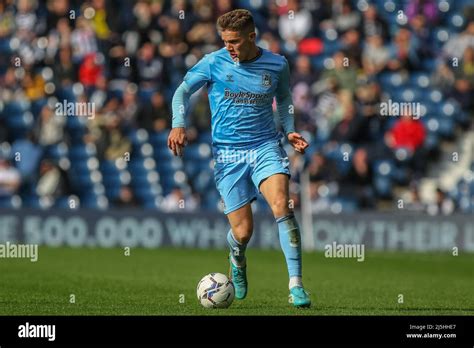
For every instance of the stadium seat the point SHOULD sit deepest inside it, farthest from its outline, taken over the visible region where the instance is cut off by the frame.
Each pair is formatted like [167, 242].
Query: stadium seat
[159, 138]
[94, 201]
[56, 151]
[12, 202]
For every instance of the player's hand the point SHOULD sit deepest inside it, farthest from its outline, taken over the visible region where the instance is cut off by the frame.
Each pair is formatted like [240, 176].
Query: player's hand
[177, 140]
[298, 142]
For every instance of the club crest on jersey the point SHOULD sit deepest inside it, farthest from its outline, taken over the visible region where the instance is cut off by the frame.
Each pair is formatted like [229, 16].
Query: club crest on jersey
[266, 80]
[229, 78]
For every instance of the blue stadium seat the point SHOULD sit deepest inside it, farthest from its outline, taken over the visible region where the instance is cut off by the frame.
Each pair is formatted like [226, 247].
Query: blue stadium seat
[159, 138]
[145, 94]
[212, 200]
[81, 151]
[108, 167]
[57, 151]
[383, 186]
[92, 201]
[37, 105]
[137, 137]
[205, 137]
[318, 62]
[431, 141]
[10, 202]
[203, 181]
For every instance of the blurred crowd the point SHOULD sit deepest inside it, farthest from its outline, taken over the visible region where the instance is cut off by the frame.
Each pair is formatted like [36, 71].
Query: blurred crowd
[128, 57]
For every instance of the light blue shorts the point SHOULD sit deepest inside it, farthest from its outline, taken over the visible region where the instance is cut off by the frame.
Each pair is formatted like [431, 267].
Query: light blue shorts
[239, 172]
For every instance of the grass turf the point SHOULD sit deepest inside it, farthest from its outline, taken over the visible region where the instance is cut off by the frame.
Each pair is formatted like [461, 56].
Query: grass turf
[153, 282]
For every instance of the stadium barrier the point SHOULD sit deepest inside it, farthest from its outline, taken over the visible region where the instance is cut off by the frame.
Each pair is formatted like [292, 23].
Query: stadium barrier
[148, 229]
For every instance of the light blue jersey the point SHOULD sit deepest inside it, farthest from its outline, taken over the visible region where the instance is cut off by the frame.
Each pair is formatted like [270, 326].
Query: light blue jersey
[240, 96]
[246, 143]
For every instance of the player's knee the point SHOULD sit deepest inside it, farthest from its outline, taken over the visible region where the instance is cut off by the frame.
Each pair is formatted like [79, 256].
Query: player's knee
[243, 231]
[280, 206]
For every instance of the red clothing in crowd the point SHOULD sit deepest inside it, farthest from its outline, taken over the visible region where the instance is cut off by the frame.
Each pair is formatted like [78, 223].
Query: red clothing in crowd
[408, 133]
[89, 71]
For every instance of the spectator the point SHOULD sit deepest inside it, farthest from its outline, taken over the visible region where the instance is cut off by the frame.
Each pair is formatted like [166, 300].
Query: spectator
[7, 20]
[443, 205]
[150, 67]
[154, 116]
[457, 44]
[351, 44]
[177, 201]
[409, 135]
[294, 23]
[90, 71]
[50, 127]
[10, 178]
[443, 78]
[27, 154]
[404, 51]
[323, 169]
[128, 110]
[350, 127]
[126, 198]
[343, 17]
[358, 181]
[116, 143]
[64, 70]
[344, 74]
[375, 55]
[413, 202]
[427, 8]
[59, 39]
[83, 40]
[303, 72]
[373, 24]
[463, 90]
[53, 181]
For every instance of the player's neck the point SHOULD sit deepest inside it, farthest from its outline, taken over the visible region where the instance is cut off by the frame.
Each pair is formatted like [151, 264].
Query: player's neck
[253, 53]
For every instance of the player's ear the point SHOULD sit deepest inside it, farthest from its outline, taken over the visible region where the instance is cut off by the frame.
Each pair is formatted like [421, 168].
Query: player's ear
[252, 36]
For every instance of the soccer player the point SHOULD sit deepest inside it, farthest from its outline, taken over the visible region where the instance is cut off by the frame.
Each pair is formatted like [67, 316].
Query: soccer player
[242, 80]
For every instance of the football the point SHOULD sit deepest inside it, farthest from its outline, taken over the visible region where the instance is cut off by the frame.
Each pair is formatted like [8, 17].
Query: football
[215, 290]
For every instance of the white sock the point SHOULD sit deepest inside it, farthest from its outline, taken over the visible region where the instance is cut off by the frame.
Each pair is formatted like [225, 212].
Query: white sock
[295, 281]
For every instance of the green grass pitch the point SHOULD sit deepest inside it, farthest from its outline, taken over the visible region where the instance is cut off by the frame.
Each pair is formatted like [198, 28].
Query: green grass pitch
[163, 282]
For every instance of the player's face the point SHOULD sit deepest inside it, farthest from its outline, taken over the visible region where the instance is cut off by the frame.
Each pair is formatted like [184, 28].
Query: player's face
[238, 44]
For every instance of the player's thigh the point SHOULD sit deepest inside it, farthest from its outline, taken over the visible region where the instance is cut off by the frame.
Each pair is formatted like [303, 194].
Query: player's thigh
[241, 222]
[271, 176]
[234, 183]
[276, 192]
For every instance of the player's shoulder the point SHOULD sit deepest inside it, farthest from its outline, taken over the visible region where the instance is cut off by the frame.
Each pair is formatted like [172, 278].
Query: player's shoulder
[274, 58]
[215, 56]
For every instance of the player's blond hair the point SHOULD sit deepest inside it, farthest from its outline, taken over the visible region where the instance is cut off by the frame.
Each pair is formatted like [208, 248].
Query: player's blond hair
[236, 20]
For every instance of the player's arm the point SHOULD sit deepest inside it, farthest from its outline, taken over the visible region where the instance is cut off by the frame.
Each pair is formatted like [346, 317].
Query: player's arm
[285, 110]
[197, 77]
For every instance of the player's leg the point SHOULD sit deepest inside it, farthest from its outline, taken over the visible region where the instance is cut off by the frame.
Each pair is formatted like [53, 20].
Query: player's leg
[241, 222]
[237, 191]
[275, 189]
[271, 176]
